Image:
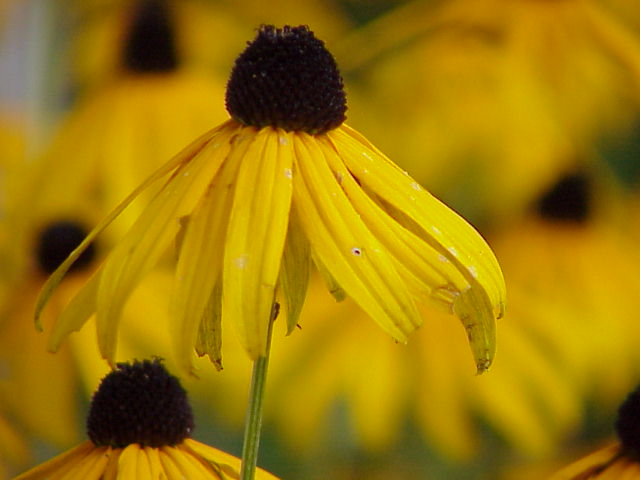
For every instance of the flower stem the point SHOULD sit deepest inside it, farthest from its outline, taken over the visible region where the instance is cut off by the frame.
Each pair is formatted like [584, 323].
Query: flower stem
[253, 419]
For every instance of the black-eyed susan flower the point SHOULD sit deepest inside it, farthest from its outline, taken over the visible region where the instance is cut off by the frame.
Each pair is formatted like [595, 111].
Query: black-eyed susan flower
[281, 185]
[620, 460]
[494, 76]
[121, 130]
[560, 261]
[578, 234]
[139, 427]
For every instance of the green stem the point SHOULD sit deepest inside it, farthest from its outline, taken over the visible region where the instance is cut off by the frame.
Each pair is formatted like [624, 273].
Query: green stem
[253, 420]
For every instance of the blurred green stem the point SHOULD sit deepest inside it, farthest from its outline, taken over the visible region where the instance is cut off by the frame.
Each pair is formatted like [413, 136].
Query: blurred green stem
[253, 420]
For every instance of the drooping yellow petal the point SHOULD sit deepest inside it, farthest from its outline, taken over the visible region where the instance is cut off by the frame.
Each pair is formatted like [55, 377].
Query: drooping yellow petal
[200, 256]
[459, 249]
[346, 247]
[296, 268]
[209, 341]
[76, 313]
[256, 235]
[437, 224]
[152, 233]
[418, 262]
[56, 277]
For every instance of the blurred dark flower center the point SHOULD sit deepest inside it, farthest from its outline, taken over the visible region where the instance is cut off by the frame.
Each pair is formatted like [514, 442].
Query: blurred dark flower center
[569, 200]
[149, 45]
[56, 241]
[628, 424]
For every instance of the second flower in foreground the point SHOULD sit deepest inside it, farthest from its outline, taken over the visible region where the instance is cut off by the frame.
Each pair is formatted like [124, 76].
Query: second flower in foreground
[282, 185]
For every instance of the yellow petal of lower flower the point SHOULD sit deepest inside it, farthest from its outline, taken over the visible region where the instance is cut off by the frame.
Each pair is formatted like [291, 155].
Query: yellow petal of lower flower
[591, 463]
[91, 467]
[144, 470]
[344, 244]
[256, 236]
[130, 458]
[189, 465]
[150, 236]
[227, 464]
[155, 465]
[65, 460]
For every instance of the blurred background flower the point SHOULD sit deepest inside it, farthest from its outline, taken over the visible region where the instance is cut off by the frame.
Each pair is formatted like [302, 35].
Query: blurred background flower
[522, 114]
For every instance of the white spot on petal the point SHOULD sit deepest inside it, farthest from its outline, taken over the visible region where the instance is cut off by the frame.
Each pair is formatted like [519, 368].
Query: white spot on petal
[241, 261]
[365, 171]
[356, 251]
[443, 259]
[283, 140]
[473, 271]
[416, 186]
[436, 230]
[366, 155]
[288, 173]
[185, 174]
[453, 251]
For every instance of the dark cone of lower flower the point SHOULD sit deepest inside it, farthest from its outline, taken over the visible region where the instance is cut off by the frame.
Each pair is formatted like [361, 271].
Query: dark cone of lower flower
[287, 78]
[569, 200]
[139, 403]
[56, 241]
[149, 45]
[628, 424]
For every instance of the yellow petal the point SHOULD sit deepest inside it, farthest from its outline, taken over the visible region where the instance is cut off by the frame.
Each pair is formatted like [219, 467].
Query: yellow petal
[128, 465]
[256, 235]
[592, 463]
[332, 285]
[346, 247]
[420, 265]
[190, 465]
[155, 465]
[220, 461]
[76, 313]
[460, 249]
[169, 467]
[296, 263]
[200, 257]
[151, 234]
[209, 341]
[65, 461]
[56, 277]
